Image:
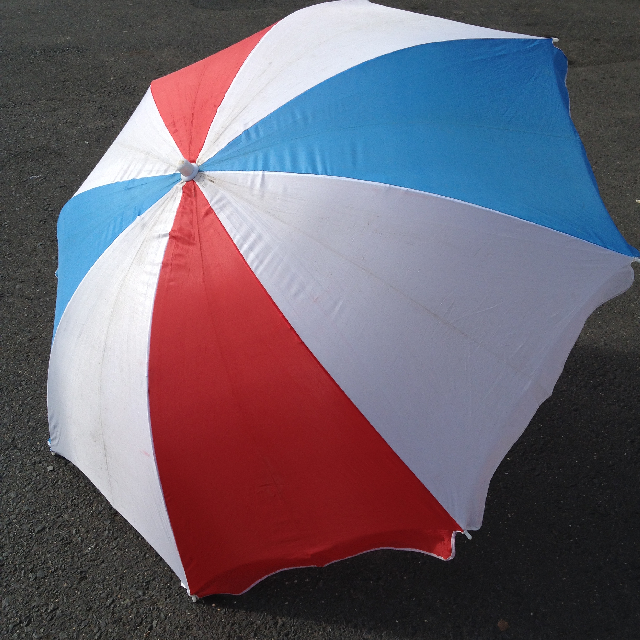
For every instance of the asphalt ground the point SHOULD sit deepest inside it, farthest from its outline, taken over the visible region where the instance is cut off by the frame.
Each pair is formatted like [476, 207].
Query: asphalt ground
[558, 554]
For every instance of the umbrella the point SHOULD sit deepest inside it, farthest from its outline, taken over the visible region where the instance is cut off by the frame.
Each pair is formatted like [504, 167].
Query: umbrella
[319, 285]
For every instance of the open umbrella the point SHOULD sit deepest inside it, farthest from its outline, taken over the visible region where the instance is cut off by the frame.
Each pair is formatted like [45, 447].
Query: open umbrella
[319, 285]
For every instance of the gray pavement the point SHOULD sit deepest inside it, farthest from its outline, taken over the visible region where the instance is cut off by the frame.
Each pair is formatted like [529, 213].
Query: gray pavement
[558, 555]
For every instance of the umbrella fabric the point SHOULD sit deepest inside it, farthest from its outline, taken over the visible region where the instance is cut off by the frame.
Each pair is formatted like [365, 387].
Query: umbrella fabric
[319, 285]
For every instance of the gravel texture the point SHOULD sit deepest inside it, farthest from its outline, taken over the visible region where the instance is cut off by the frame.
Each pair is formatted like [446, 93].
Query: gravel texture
[558, 555]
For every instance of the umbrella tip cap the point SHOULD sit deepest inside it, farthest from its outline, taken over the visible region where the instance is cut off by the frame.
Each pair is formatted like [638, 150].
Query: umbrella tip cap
[188, 171]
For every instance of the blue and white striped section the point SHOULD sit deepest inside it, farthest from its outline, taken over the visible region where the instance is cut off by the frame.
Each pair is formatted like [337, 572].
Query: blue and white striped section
[138, 169]
[317, 43]
[482, 121]
[92, 220]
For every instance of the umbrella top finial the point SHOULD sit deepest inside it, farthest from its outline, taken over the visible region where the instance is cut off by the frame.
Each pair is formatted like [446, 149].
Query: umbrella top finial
[188, 170]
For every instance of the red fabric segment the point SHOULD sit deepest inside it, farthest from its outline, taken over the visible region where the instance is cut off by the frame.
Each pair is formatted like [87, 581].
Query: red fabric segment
[264, 462]
[188, 99]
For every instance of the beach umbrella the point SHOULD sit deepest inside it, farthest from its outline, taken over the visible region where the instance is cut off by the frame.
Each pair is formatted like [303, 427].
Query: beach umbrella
[319, 285]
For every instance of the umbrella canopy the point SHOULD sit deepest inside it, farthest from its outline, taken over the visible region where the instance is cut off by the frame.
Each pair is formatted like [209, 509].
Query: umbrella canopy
[319, 285]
